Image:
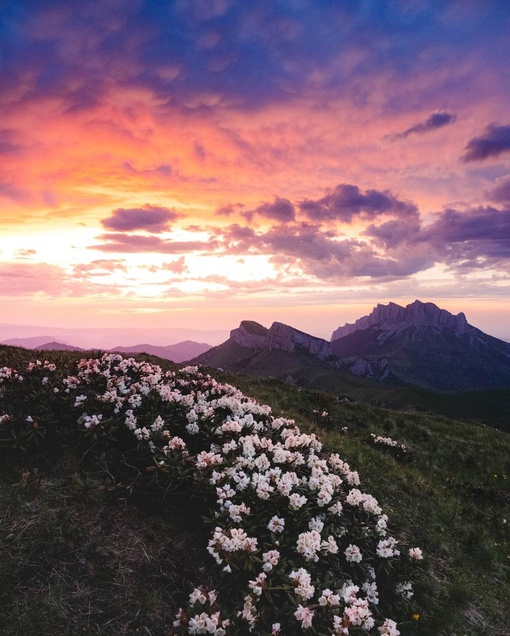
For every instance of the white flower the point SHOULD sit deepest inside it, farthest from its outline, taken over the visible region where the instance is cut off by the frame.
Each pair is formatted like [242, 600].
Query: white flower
[276, 524]
[296, 501]
[270, 559]
[308, 544]
[258, 584]
[353, 553]
[386, 548]
[405, 589]
[302, 581]
[416, 554]
[389, 628]
[305, 615]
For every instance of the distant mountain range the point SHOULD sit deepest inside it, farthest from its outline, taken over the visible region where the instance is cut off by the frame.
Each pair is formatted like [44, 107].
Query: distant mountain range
[108, 337]
[419, 345]
[176, 352]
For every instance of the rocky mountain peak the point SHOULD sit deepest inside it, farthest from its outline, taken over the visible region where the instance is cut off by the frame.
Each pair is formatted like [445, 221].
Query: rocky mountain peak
[393, 317]
[279, 337]
[250, 334]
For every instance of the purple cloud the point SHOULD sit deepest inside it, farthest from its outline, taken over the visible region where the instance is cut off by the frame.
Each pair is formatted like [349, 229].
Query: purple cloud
[280, 209]
[433, 121]
[393, 233]
[150, 218]
[475, 239]
[494, 141]
[347, 201]
[228, 210]
[501, 192]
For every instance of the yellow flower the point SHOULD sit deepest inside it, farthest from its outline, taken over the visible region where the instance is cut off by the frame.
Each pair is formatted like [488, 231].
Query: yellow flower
[416, 617]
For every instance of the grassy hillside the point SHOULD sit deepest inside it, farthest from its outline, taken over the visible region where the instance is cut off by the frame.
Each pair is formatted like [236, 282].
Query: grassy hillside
[490, 407]
[93, 540]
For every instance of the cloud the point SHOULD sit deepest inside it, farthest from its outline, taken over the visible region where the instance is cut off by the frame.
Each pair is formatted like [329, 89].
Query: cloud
[177, 267]
[501, 193]
[229, 209]
[163, 170]
[436, 120]
[25, 254]
[393, 233]
[137, 243]
[480, 236]
[100, 268]
[280, 210]
[28, 279]
[493, 142]
[347, 201]
[197, 56]
[149, 218]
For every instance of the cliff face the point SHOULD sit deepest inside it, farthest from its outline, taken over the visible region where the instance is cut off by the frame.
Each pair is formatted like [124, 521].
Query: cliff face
[393, 318]
[424, 345]
[250, 335]
[279, 337]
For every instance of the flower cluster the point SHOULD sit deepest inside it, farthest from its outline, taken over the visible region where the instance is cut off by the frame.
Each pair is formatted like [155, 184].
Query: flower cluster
[301, 546]
[400, 451]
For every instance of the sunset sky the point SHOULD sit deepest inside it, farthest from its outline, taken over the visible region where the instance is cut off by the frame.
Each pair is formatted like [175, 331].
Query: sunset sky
[193, 163]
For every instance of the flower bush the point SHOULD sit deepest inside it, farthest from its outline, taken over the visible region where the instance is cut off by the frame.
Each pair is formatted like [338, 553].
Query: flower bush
[298, 545]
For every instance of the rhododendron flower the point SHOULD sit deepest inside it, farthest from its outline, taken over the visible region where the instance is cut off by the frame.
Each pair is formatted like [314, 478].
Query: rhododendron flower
[416, 554]
[276, 524]
[353, 553]
[389, 628]
[270, 560]
[305, 615]
[302, 580]
[386, 548]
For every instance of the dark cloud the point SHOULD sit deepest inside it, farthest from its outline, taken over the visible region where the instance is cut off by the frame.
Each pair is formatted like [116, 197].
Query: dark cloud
[393, 233]
[280, 209]
[149, 218]
[433, 121]
[347, 201]
[494, 141]
[477, 225]
[201, 55]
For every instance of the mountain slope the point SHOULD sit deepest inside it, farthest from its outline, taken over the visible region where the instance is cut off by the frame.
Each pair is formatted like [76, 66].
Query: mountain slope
[425, 346]
[287, 354]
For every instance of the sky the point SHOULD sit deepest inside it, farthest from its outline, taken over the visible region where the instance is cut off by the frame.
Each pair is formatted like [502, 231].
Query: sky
[194, 163]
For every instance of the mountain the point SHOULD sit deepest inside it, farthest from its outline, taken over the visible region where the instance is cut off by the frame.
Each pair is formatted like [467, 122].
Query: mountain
[104, 338]
[286, 354]
[423, 345]
[32, 342]
[176, 352]
[57, 346]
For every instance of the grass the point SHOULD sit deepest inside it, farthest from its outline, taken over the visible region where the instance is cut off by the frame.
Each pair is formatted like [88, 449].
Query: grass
[97, 546]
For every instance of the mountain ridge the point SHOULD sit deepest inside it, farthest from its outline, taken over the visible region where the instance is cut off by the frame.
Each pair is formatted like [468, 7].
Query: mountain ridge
[418, 345]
